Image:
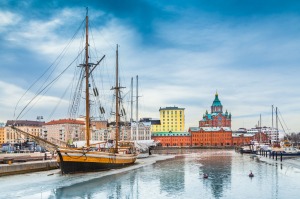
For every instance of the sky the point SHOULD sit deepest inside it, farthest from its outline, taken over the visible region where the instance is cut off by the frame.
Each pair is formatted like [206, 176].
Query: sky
[183, 52]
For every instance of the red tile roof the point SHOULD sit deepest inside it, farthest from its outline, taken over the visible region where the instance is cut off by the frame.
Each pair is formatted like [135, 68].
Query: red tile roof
[65, 121]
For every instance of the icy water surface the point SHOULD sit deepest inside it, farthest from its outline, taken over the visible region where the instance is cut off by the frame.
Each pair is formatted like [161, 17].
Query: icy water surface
[177, 178]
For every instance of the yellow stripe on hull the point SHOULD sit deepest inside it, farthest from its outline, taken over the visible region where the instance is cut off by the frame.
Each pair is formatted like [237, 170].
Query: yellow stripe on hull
[81, 160]
[96, 157]
[112, 159]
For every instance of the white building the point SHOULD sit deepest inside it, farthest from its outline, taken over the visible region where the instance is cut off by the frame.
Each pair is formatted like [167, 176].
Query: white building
[273, 133]
[141, 131]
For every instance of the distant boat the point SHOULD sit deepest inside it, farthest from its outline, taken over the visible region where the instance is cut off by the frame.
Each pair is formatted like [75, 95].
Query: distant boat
[284, 148]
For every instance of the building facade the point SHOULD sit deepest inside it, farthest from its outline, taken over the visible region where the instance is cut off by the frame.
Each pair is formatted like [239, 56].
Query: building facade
[216, 118]
[211, 136]
[273, 134]
[246, 138]
[99, 131]
[141, 130]
[171, 119]
[2, 135]
[172, 139]
[66, 130]
[31, 127]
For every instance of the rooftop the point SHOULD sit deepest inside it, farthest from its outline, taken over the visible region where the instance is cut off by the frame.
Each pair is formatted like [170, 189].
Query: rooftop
[65, 121]
[24, 123]
[171, 108]
[171, 134]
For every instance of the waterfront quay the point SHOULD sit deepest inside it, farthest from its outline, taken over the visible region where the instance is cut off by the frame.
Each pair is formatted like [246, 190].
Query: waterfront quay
[20, 163]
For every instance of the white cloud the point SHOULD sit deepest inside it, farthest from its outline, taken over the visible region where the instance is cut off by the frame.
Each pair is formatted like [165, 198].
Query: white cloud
[8, 19]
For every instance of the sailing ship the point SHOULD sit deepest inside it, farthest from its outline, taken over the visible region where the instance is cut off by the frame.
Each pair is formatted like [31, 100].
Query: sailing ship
[86, 159]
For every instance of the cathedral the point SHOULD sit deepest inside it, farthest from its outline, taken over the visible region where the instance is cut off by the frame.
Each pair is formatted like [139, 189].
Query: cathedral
[216, 118]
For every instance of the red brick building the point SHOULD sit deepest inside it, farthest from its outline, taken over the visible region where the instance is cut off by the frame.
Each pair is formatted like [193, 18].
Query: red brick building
[175, 139]
[216, 118]
[241, 139]
[206, 136]
[211, 136]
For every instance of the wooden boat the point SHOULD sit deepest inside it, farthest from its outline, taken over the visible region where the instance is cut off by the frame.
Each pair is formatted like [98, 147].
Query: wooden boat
[86, 159]
[73, 160]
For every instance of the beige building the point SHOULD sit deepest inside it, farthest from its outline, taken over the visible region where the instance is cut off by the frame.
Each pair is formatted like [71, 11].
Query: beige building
[124, 131]
[31, 127]
[99, 131]
[65, 130]
[171, 119]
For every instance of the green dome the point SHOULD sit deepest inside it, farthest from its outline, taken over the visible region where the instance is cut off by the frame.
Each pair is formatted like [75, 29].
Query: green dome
[216, 102]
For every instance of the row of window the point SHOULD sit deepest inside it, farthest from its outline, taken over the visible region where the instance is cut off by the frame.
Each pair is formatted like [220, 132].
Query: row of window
[171, 120]
[212, 136]
[171, 112]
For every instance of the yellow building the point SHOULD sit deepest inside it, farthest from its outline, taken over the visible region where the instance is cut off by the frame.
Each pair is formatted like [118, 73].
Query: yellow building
[2, 135]
[171, 119]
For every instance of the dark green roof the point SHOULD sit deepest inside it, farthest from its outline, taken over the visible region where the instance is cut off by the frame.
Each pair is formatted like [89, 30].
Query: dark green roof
[216, 102]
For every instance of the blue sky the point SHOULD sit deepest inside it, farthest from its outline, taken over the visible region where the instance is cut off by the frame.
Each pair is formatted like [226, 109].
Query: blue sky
[183, 51]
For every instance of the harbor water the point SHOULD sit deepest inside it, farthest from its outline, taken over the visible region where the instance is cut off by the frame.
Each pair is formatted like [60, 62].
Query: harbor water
[180, 177]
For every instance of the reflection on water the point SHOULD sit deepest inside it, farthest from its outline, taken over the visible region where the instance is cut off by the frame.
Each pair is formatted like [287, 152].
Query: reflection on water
[218, 167]
[181, 177]
[171, 179]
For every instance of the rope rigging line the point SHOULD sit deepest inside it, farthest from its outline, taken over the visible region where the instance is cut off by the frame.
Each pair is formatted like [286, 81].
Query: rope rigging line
[75, 102]
[37, 94]
[281, 126]
[283, 120]
[97, 100]
[55, 108]
[44, 73]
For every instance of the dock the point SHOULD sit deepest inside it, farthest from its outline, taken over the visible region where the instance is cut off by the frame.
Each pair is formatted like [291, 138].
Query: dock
[19, 163]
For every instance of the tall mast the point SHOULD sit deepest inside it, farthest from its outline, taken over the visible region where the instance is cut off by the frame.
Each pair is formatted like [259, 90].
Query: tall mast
[117, 99]
[272, 130]
[277, 136]
[272, 117]
[137, 107]
[87, 94]
[131, 111]
[260, 128]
